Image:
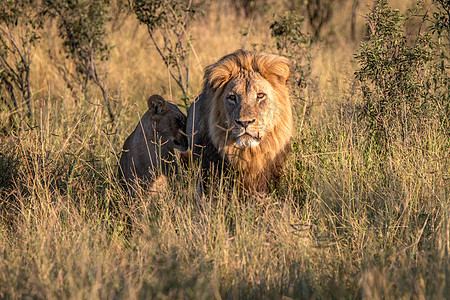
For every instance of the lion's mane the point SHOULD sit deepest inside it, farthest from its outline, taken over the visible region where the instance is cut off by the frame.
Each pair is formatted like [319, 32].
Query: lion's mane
[258, 165]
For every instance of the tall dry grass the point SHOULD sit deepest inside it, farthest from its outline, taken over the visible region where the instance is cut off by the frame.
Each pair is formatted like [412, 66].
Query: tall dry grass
[345, 223]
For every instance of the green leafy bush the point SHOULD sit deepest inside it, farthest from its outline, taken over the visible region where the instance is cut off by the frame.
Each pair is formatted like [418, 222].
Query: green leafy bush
[292, 42]
[400, 77]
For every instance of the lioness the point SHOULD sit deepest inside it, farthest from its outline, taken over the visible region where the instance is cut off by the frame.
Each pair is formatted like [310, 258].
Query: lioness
[243, 117]
[148, 152]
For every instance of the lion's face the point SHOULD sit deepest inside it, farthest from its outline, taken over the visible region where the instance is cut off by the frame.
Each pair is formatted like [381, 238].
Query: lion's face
[244, 116]
[249, 106]
[247, 111]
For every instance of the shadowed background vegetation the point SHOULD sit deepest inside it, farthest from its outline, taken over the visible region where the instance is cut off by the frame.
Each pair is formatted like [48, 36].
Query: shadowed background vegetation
[363, 208]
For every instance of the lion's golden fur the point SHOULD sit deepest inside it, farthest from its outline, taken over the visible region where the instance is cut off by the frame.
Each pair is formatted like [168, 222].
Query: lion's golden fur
[249, 71]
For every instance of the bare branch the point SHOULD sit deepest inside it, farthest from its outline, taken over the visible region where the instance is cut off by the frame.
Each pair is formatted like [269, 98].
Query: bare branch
[8, 35]
[175, 45]
[165, 60]
[22, 83]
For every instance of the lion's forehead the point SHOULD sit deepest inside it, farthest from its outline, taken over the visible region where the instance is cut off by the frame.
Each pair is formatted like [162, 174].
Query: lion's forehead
[247, 90]
[250, 84]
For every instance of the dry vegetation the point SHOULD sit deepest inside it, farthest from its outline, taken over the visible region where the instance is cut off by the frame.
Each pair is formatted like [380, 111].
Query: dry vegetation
[348, 222]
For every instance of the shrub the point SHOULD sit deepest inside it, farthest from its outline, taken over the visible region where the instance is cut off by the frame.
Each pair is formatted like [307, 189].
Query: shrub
[399, 77]
[291, 42]
[440, 85]
[20, 22]
[81, 26]
[170, 20]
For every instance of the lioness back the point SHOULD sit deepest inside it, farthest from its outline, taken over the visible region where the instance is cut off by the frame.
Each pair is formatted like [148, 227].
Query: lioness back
[243, 117]
[148, 153]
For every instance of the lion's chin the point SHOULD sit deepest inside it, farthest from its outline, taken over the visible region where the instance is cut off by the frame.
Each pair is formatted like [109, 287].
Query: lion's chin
[247, 141]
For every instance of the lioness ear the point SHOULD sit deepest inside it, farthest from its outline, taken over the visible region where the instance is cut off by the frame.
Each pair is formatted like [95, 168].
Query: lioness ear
[156, 104]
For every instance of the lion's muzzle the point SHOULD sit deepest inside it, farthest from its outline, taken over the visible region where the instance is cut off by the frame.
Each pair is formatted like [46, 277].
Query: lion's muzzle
[245, 123]
[247, 140]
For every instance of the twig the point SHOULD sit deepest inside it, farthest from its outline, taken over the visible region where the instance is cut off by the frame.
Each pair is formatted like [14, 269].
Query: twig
[100, 84]
[248, 32]
[164, 58]
[319, 154]
[26, 92]
[8, 35]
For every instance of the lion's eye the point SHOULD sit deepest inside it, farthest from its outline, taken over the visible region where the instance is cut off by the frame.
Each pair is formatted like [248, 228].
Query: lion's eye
[232, 97]
[260, 96]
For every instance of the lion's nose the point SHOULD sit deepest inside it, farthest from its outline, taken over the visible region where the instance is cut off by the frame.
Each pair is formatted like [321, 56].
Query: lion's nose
[245, 123]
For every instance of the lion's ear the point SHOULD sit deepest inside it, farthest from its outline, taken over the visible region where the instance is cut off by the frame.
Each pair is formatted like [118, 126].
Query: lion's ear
[280, 68]
[274, 68]
[156, 104]
[282, 71]
[216, 75]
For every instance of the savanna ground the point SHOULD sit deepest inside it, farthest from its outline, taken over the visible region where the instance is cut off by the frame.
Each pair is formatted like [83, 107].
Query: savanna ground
[359, 214]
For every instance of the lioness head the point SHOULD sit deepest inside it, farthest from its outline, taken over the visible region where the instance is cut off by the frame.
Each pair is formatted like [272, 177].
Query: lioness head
[169, 122]
[250, 100]
[148, 151]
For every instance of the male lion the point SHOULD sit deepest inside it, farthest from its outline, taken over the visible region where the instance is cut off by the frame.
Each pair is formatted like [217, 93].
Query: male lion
[148, 153]
[243, 117]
